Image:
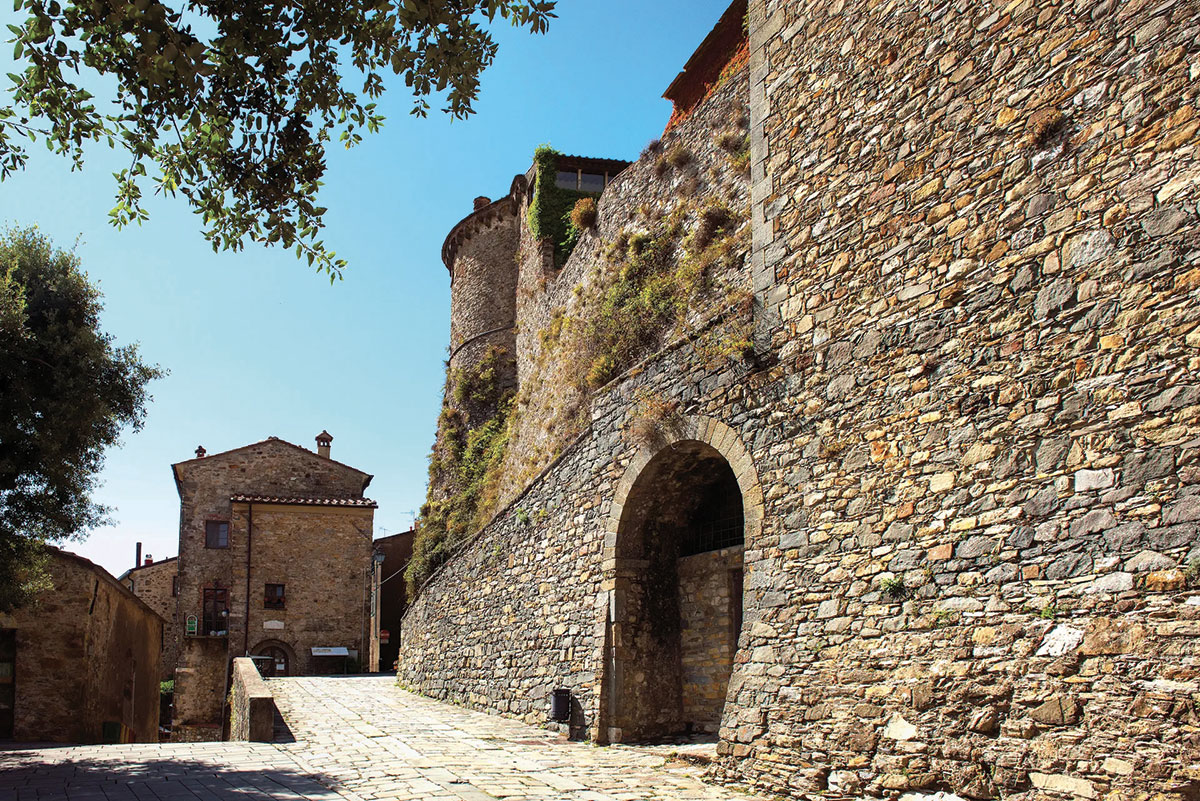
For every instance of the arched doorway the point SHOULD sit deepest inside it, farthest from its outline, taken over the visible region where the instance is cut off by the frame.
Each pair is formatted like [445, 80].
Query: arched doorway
[682, 517]
[273, 659]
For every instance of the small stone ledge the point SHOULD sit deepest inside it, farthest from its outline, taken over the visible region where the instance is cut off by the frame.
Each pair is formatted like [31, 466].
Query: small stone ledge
[252, 707]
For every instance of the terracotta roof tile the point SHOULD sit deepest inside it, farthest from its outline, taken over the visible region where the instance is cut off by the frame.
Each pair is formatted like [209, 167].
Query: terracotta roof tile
[357, 503]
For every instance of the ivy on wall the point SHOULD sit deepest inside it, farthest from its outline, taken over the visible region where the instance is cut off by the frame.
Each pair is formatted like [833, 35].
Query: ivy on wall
[550, 211]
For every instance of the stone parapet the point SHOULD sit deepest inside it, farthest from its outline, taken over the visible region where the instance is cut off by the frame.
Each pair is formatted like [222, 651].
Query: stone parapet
[251, 704]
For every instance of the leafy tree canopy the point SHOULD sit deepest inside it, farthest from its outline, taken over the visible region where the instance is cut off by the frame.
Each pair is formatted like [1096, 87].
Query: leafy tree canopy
[231, 103]
[66, 392]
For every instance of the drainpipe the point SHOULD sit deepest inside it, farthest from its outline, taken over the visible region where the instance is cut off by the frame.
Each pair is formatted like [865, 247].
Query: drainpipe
[249, 542]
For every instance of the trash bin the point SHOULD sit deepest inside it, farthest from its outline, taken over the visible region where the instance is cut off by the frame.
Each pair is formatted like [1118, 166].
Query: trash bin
[560, 705]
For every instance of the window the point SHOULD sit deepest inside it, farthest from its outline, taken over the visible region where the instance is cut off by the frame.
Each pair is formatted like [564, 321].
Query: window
[174, 586]
[216, 534]
[589, 182]
[274, 597]
[216, 612]
[567, 179]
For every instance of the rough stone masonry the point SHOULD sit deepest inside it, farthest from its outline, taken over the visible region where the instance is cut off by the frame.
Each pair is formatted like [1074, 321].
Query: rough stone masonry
[966, 442]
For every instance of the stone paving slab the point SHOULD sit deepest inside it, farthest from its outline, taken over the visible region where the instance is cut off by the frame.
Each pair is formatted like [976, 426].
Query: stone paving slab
[358, 738]
[377, 741]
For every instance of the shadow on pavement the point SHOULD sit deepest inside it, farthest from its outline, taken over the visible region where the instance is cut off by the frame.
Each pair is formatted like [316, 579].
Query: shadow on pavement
[132, 773]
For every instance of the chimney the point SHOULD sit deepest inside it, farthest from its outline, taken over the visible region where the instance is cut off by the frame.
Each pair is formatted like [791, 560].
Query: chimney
[323, 442]
[200, 452]
[482, 201]
[149, 560]
[137, 559]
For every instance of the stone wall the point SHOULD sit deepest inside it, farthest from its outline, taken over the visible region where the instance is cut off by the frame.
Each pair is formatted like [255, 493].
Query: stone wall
[966, 441]
[977, 229]
[252, 707]
[201, 687]
[710, 602]
[543, 552]
[154, 584]
[88, 661]
[322, 556]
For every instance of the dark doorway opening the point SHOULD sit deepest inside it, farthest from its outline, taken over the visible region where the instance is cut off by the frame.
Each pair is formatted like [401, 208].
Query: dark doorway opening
[8, 686]
[675, 626]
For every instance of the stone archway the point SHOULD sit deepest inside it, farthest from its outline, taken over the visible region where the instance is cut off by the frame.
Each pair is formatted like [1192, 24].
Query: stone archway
[681, 518]
[274, 658]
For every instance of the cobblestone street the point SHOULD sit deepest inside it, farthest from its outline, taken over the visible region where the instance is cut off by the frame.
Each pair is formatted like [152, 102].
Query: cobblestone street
[357, 738]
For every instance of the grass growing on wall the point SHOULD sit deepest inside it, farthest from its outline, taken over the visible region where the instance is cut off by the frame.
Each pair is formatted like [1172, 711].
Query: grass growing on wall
[649, 286]
[465, 463]
[550, 211]
[658, 276]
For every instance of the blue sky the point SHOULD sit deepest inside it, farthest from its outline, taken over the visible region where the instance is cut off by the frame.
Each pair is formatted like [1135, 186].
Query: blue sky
[259, 345]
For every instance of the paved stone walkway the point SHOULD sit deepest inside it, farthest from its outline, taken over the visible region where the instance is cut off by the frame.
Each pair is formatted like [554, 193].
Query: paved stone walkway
[358, 738]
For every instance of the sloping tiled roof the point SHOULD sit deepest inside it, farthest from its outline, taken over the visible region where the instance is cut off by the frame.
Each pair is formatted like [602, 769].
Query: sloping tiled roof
[357, 503]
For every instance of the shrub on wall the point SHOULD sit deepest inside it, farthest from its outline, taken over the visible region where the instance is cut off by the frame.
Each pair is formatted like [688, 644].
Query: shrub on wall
[584, 214]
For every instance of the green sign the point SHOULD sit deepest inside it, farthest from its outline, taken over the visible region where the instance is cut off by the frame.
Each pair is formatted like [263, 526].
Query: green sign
[191, 625]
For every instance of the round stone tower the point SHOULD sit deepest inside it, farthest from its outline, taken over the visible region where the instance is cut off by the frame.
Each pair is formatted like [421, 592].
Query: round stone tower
[481, 255]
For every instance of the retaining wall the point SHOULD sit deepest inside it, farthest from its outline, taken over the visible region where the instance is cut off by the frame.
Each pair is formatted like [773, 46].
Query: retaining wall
[971, 426]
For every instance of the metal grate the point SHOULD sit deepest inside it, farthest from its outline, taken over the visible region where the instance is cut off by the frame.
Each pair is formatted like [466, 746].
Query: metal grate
[713, 535]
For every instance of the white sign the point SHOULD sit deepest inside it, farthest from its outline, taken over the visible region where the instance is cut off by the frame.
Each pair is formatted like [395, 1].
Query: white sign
[338, 651]
[272, 624]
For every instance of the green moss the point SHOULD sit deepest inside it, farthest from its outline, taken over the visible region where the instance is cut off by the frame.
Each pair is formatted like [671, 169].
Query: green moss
[550, 211]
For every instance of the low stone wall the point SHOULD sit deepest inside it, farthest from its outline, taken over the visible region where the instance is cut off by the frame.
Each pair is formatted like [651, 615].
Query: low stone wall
[252, 707]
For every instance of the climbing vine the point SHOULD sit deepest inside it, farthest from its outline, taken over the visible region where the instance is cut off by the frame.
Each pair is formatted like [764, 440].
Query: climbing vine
[550, 211]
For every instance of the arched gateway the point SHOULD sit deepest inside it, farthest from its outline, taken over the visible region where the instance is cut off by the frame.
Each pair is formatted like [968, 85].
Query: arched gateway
[680, 520]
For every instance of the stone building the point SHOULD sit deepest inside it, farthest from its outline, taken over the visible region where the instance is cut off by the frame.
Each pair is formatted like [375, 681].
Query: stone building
[275, 562]
[80, 663]
[157, 585]
[957, 419]
[393, 598]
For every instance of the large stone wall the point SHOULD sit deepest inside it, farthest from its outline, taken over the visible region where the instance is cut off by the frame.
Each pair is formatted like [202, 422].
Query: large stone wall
[977, 227]
[88, 661]
[967, 445]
